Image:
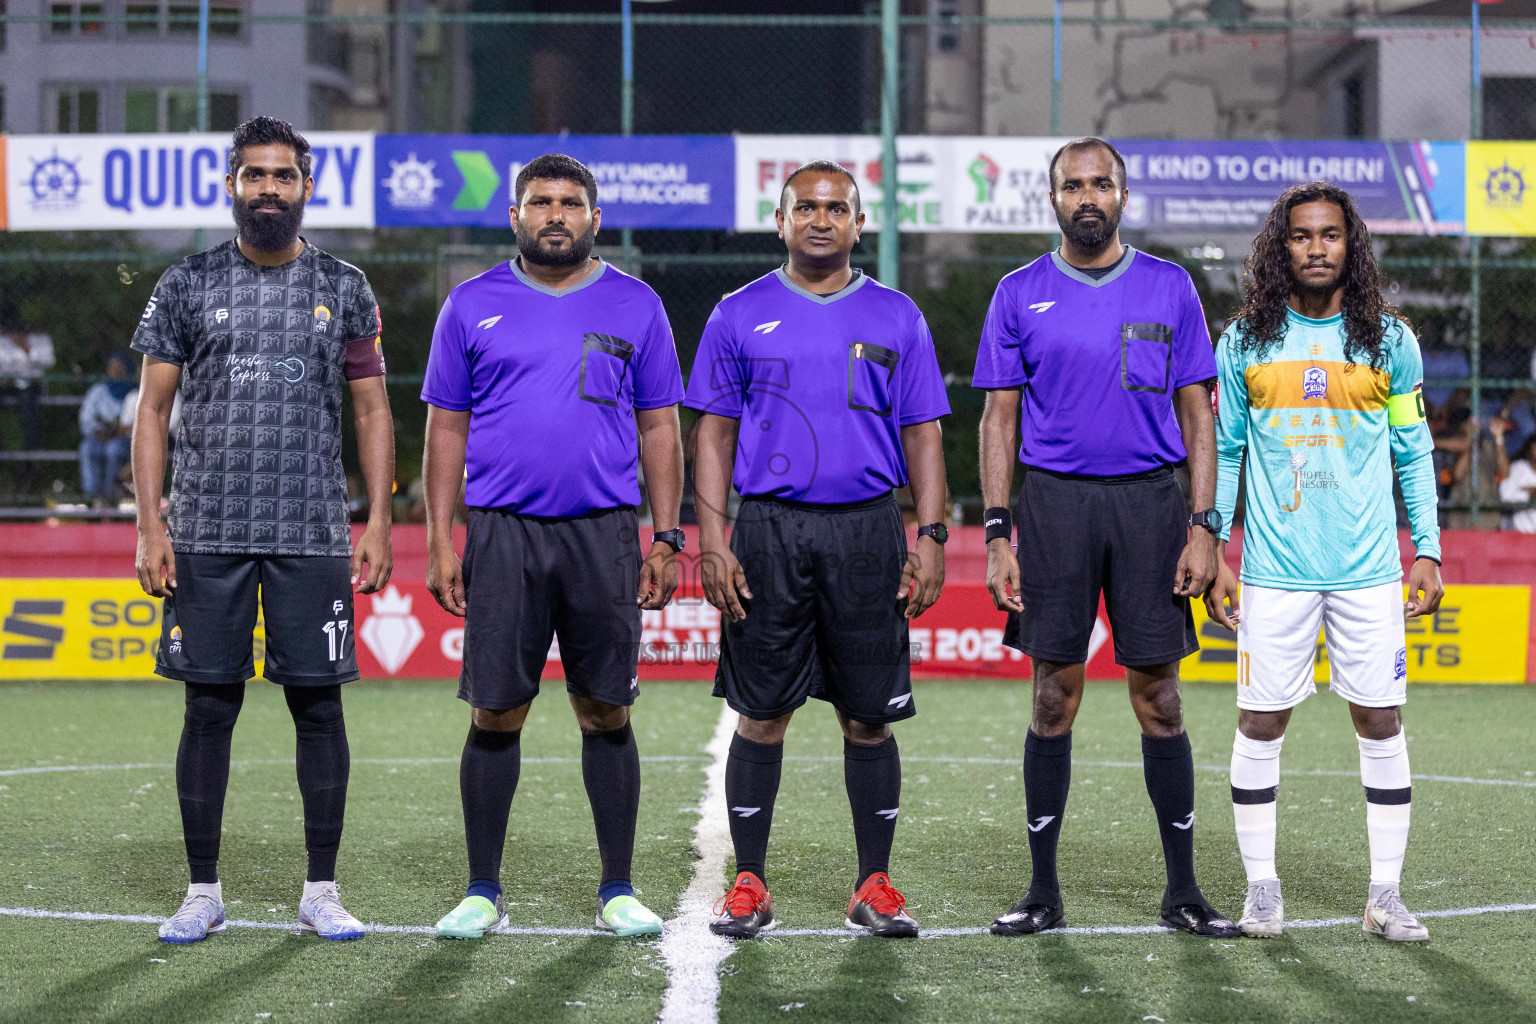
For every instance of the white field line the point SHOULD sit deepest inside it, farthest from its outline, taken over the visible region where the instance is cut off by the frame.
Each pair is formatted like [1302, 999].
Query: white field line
[663, 758]
[693, 954]
[774, 936]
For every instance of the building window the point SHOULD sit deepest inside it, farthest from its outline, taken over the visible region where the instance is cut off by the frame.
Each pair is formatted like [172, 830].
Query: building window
[170, 109]
[77, 109]
[147, 17]
[1353, 90]
[1509, 108]
[76, 19]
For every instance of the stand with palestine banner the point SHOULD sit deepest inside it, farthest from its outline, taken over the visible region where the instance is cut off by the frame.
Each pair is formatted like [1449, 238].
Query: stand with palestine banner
[944, 183]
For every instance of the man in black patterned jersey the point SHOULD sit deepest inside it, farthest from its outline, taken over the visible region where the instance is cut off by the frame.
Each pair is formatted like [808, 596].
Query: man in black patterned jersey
[262, 335]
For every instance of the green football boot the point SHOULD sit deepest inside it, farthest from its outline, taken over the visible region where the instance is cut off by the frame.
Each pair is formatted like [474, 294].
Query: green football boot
[624, 915]
[472, 918]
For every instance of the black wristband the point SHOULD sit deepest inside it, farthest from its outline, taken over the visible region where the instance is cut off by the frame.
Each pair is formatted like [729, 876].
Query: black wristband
[999, 524]
[1428, 558]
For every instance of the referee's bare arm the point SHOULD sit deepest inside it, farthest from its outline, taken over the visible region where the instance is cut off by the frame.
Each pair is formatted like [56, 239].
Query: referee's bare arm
[443, 469]
[661, 459]
[999, 422]
[376, 454]
[719, 570]
[923, 446]
[154, 560]
[1197, 565]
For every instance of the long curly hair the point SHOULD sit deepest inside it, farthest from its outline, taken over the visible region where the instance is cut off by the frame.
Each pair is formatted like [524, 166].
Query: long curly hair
[1366, 313]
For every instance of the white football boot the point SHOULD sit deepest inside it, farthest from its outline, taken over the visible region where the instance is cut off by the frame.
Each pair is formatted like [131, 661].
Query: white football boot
[1263, 910]
[321, 912]
[1386, 916]
[201, 914]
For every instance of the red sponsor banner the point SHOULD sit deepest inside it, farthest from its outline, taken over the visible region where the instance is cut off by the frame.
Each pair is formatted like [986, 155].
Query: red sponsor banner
[403, 633]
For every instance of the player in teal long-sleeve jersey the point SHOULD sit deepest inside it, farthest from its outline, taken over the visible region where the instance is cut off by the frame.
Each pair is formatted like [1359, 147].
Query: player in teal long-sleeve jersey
[1320, 386]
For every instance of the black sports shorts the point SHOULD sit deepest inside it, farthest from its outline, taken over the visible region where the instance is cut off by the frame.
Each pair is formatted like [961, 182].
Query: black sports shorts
[306, 608]
[823, 620]
[528, 580]
[1123, 536]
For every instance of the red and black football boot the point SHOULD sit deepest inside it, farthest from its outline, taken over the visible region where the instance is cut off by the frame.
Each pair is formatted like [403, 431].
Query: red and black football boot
[744, 911]
[877, 908]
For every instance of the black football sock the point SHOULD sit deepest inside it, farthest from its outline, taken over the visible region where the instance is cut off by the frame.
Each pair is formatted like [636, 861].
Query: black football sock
[488, 771]
[1047, 777]
[1169, 766]
[751, 785]
[873, 777]
[202, 772]
[610, 767]
[324, 762]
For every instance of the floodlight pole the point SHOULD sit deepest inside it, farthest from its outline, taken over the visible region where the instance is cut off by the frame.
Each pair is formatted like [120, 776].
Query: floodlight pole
[890, 99]
[199, 239]
[1056, 69]
[627, 112]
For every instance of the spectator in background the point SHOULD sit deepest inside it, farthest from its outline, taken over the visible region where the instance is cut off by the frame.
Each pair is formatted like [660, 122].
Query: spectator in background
[1519, 487]
[1519, 410]
[105, 444]
[1492, 465]
[24, 358]
[1440, 361]
[131, 413]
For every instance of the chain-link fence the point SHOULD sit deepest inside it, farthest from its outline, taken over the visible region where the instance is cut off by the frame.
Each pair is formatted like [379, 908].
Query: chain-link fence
[1155, 70]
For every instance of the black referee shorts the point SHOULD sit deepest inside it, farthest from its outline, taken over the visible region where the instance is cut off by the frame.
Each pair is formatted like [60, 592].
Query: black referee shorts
[529, 580]
[306, 608]
[824, 620]
[1122, 536]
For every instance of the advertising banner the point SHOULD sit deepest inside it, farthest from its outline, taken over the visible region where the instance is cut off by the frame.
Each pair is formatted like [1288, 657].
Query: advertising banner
[1479, 635]
[943, 182]
[94, 182]
[1500, 180]
[109, 629]
[643, 181]
[1216, 185]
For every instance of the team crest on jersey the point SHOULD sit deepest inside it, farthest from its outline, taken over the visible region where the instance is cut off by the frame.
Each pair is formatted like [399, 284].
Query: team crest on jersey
[322, 318]
[175, 644]
[1314, 382]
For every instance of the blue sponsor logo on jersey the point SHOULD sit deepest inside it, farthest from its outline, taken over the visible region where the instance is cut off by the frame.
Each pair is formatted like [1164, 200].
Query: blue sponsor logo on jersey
[1400, 668]
[1314, 382]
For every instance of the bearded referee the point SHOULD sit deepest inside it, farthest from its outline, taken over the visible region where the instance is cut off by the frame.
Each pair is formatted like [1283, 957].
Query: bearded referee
[1100, 356]
[819, 393]
[551, 378]
[262, 335]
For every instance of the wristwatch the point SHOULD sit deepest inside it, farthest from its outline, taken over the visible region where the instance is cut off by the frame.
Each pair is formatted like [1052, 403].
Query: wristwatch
[938, 531]
[1210, 519]
[673, 538]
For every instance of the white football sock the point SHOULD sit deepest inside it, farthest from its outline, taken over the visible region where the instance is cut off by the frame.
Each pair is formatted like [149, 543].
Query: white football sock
[214, 889]
[1388, 800]
[316, 888]
[1255, 782]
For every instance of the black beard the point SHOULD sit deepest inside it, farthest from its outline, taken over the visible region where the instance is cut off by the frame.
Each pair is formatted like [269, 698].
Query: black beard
[269, 232]
[579, 252]
[1090, 237]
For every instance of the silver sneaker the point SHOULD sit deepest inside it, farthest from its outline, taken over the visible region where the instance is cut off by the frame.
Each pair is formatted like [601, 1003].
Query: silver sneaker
[1263, 910]
[1386, 916]
[199, 917]
[323, 914]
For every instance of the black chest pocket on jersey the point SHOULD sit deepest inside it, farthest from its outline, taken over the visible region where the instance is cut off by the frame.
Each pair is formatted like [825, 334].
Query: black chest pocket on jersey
[870, 369]
[604, 361]
[1146, 357]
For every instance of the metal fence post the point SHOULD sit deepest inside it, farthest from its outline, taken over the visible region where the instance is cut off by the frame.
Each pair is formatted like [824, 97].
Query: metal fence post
[890, 39]
[627, 117]
[1474, 367]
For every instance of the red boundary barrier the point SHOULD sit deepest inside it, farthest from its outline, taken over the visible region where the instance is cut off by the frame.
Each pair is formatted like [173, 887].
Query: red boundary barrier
[960, 645]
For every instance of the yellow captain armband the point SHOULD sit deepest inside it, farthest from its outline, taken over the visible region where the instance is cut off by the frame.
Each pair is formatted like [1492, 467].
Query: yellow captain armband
[1406, 410]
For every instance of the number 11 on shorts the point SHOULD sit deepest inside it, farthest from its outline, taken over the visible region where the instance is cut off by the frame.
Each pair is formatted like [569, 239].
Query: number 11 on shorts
[336, 634]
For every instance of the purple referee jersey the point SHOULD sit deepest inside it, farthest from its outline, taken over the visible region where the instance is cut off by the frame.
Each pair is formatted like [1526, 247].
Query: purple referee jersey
[552, 380]
[1099, 361]
[822, 385]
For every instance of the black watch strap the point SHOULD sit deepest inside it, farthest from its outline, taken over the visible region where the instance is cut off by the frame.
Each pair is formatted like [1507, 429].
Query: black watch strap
[938, 531]
[674, 538]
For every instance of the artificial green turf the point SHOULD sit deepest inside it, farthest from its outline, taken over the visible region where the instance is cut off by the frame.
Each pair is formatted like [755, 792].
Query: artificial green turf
[109, 841]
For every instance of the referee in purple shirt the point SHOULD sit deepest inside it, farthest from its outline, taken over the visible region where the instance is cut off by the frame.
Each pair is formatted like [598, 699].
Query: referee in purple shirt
[819, 394]
[1100, 356]
[552, 377]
